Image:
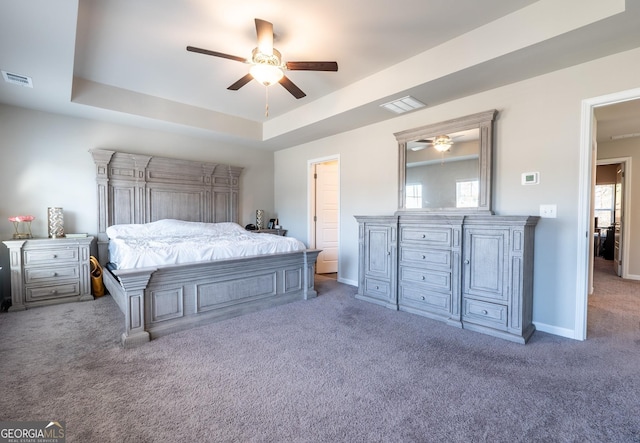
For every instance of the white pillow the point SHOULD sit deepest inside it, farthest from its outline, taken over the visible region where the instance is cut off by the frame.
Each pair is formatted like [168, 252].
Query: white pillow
[171, 227]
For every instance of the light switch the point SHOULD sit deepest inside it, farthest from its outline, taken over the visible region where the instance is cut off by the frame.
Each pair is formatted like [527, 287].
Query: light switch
[548, 211]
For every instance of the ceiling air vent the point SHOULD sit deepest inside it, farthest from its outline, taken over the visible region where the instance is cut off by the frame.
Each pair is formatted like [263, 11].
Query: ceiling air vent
[17, 79]
[402, 105]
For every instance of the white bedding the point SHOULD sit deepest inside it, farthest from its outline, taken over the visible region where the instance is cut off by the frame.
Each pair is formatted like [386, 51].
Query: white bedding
[168, 242]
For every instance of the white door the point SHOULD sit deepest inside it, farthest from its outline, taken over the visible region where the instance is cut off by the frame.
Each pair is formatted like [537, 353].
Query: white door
[327, 216]
[619, 208]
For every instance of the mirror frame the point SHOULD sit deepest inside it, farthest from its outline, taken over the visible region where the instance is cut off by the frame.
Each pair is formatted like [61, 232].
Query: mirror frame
[484, 122]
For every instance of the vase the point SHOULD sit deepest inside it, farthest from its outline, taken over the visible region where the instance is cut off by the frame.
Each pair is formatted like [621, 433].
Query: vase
[259, 219]
[55, 218]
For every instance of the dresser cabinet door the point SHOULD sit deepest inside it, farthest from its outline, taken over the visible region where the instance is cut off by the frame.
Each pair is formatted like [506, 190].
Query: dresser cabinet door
[485, 256]
[378, 263]
[377, 279]
[377, 259]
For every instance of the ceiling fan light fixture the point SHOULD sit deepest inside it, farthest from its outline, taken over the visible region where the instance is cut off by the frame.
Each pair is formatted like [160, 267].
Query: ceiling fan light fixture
[266, 74]
[266, 68]
[442, 143]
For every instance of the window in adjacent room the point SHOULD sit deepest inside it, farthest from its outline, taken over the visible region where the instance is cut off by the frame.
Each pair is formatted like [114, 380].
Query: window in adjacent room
[414, 196]
[604, 204]
[467, 193]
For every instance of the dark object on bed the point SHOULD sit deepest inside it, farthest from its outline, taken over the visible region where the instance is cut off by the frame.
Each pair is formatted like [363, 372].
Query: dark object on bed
[135, 189]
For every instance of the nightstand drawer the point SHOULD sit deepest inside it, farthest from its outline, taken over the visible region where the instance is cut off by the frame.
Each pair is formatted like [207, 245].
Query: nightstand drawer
[49, 256]
[51, 274]
[52, 291]
[488, 314]
[45, 271]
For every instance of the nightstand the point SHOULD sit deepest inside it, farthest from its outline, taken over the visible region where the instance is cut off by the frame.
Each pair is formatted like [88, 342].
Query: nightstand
[49, 271]
[280, 231]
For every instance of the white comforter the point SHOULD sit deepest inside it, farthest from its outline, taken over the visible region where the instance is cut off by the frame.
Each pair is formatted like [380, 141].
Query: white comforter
[168, 242]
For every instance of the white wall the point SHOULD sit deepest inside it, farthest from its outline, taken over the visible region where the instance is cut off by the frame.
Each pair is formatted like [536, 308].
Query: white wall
[537, 129]
[45, 161]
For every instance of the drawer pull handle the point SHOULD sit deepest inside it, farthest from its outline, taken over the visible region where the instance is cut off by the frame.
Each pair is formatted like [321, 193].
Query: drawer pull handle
[424, 235]
[54, 292]
[423, 277]
[485, 312]
[55, 256]
[466, 262]
[54, 274]
[423, 299]
[424, 257]
[377, 287]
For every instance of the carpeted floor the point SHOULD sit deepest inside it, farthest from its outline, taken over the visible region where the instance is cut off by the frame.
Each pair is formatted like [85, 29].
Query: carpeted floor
[333, 369]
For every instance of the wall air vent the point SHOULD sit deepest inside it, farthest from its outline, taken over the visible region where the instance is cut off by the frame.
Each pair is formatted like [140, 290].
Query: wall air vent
[402, 105]
[17, 79]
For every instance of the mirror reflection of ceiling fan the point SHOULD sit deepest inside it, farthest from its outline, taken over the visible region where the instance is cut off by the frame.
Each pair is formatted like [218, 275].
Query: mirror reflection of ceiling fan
[266, 62]
[440, 143]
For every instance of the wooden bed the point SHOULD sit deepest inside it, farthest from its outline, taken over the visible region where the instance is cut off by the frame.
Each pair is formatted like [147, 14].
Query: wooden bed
[135, 188]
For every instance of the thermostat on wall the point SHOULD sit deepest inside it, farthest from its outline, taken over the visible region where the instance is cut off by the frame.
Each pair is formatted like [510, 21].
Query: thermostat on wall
[530, 178]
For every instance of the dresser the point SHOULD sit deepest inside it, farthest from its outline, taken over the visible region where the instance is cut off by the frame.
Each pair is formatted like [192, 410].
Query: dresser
[48, 271]
[470, 271]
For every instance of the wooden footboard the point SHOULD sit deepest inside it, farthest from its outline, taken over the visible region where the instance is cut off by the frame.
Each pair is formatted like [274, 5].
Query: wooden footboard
[164, 299]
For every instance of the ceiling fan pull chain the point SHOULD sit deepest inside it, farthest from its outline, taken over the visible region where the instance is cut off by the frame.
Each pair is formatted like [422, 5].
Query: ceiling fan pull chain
[266, 100]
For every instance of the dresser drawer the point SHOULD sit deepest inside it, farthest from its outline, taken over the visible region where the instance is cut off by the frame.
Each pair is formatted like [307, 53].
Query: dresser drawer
[483, 313]
[424, 300]
[51, 274]
[49, 255]
[427, 278]
[377, 288]
[52, 291]
[433, 258]
[426, 235]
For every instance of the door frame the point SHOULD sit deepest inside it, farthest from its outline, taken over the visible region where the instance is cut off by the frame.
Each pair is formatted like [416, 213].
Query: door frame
[585, 184]
[311, 201]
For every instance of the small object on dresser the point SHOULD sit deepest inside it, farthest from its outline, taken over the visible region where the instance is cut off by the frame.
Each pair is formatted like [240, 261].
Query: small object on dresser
[21, 233]
[55, 217]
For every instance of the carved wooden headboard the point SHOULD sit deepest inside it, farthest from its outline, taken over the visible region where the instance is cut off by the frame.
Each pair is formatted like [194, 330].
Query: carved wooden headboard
[136, 188]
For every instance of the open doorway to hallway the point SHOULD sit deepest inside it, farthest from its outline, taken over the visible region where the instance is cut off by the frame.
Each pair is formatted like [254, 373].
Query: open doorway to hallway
[614, 253]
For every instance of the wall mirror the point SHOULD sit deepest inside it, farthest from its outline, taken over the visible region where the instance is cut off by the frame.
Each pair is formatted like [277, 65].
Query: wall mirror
[447, 166]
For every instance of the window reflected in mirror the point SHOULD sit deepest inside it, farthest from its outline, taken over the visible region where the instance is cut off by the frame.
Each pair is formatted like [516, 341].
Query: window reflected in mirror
[443, 171]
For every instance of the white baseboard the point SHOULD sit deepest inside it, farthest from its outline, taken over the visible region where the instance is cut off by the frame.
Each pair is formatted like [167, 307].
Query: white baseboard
[348, 282]
[555, 330]
[632, 277]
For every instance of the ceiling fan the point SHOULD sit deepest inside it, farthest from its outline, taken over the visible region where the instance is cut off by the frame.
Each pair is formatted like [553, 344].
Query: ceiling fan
[266, 62]
[441, 143]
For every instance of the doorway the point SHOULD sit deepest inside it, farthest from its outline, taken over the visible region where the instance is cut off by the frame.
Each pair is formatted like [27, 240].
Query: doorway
[324, 216]
[588, 155]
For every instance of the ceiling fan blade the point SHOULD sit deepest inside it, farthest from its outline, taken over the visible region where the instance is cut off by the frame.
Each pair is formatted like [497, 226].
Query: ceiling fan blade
[216, 54]
[240, 83]
[312, 66]
[424, 141]
[264, 30]
[292, 88]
